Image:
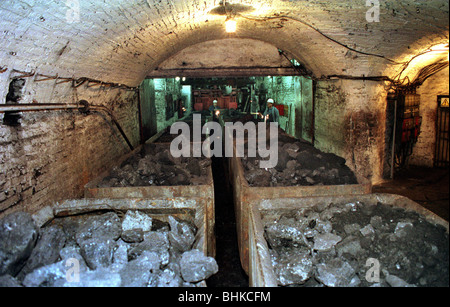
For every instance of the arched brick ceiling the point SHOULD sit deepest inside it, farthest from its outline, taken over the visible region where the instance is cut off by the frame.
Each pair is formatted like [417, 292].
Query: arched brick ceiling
[122, 41]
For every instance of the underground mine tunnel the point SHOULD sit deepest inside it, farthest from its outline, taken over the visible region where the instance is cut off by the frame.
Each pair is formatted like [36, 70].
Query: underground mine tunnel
[91, 193]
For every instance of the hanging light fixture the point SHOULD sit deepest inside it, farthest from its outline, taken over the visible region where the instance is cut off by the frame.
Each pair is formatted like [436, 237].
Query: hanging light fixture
[230, 22]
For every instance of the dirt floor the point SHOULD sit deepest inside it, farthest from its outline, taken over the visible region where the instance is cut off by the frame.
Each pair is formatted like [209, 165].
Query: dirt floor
[428, 187]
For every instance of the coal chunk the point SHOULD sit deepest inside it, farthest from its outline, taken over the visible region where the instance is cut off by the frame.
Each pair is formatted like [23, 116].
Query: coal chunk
[133, 236]
[137, 220]
[293, 266]
[335, 273]
[193, 167]
[7, 281]
[283, 159]
[100, 278]
[98, 252]
[18, 235]
[137, 273]
[181, 235]
[46, 251]
[195, 266]
[282, 235]
[259, 176]
[105, 226]
[154, 241]
[325, 242]
[47, 276]
[170, 276]
[97, 239]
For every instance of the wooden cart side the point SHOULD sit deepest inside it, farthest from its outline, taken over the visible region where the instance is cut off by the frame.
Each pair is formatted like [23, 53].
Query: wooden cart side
[261, 272]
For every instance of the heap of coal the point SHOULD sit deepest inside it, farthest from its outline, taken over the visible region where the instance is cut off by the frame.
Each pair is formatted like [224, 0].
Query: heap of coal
[299, 164]
[154, 165]
[167, 137]
[106, 250]
[357, 244]
[234, 116]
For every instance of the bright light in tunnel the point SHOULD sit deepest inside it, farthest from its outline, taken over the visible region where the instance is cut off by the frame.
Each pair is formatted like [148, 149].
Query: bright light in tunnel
[230, 25]
[440, 48]
[435, 54]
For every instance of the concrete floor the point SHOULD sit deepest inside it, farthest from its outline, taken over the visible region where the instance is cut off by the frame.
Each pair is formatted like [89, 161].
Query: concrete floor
[428, 187]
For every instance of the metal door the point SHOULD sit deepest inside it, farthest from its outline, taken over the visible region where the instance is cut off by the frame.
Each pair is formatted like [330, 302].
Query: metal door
[148, 109]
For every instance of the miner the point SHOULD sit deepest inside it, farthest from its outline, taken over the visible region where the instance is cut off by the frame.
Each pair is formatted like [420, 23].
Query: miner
[271, 115]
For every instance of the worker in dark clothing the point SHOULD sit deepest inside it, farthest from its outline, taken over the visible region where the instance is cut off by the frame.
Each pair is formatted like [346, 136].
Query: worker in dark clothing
[215, 111]
[271, 115]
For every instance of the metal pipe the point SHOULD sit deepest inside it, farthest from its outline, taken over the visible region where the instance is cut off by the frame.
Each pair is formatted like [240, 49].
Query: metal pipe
[37, 107]
[83, 107]
[393, 139]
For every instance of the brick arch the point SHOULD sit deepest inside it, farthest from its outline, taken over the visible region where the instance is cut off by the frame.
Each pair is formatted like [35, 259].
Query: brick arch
[317, 53]
[121, 43]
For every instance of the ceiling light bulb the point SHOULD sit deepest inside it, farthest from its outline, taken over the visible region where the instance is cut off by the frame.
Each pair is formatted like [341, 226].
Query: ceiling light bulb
[230, 25]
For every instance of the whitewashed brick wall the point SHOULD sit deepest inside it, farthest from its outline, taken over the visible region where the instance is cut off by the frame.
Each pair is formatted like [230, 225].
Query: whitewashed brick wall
[349, 121]
[424, 150]
[53, 154]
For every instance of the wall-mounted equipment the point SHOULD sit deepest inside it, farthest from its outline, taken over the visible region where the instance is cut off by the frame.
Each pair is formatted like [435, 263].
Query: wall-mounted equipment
[409, 123]
[442, 149]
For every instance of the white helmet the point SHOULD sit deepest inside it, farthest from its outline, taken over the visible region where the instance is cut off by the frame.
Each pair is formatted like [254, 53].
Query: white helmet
[270, 101]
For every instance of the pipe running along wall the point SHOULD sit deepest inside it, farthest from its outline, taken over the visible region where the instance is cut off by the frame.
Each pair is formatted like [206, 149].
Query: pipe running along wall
[83, 106]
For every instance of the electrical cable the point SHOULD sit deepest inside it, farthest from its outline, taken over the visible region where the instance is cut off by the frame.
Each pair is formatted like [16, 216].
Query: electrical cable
[394, 83]
[75, 82]
[321, 33]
